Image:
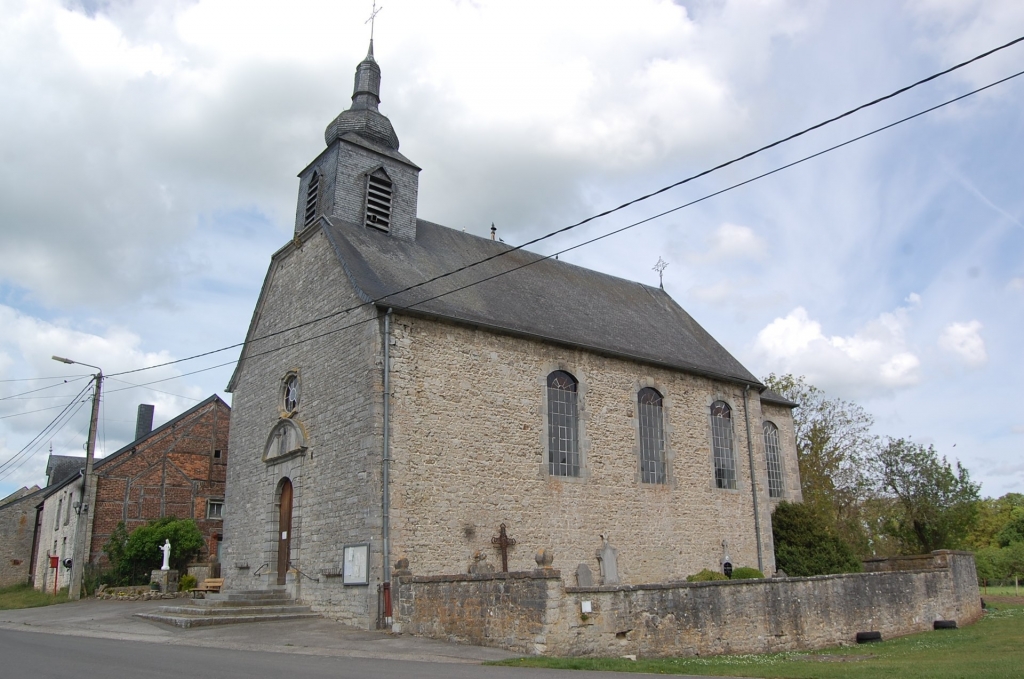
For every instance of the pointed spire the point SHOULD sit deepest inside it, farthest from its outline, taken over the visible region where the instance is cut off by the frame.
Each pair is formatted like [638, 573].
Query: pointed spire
[366, 92]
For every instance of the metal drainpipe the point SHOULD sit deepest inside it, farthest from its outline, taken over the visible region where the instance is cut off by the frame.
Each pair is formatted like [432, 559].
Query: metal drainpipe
[753, 480]
[386, 462]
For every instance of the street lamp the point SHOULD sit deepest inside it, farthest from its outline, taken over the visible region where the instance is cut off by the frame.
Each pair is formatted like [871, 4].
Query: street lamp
[79, 554]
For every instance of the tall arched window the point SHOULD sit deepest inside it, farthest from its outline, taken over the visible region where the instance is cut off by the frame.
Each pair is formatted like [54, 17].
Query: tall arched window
[563, 425]
[652, 436]
[773, 458]
[721, 445]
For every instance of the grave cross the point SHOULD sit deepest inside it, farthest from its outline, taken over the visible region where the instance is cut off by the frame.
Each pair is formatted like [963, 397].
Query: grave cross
[503, 541]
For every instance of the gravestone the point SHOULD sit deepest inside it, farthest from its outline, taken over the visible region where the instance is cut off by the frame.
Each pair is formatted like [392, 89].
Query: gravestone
[608, 557]
[584, 578]
[479, 565]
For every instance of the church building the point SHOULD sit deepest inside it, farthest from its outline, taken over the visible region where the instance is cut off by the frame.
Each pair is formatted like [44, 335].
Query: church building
[408, 393]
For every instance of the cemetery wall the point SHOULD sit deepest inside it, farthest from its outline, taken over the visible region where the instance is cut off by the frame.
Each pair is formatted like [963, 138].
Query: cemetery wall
[532, 613]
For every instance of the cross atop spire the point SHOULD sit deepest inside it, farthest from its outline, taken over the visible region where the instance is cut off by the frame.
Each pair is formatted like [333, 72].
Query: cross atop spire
[370, 21]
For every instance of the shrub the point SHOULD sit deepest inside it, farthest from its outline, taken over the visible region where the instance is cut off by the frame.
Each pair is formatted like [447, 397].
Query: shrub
[805, 546]
[705, 576]
[746, 573]
[187, 582]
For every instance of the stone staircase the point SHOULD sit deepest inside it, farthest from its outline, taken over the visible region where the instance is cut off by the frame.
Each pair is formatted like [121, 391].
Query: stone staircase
[231, 607]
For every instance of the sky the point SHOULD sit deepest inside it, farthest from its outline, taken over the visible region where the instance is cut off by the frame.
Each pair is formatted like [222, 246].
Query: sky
[150, 150]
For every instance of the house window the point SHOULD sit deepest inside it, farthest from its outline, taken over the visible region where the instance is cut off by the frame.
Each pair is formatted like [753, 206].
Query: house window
[652, 436]
[721, 445]
[312, 199]
[563, 425]
[215, 509]
[60, 506]
[773, 458]
[290, 393]
[67, 510]
[216, 454]
[378, 201]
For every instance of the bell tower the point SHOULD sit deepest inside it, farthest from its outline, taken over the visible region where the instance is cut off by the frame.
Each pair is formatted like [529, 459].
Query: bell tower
[360, 178]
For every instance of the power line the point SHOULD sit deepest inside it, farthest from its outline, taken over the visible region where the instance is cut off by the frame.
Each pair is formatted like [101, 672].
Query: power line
[144, 386]
[32, 391]
[541, 258]
[25, 453]
[629, 203]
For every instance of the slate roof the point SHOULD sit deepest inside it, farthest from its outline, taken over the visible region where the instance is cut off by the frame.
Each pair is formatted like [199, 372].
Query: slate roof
[773, 397]
[548, 299]
[61, 467]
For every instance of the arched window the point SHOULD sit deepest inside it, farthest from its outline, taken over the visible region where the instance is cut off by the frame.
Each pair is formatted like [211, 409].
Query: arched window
[563, 425]
[652, 436]
[312, 198]
[290, 393]
[721, 445]
[773, 458]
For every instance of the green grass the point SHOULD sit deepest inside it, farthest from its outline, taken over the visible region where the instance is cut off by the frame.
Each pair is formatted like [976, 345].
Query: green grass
[992, 648]
[1003, 591]
[24, 596]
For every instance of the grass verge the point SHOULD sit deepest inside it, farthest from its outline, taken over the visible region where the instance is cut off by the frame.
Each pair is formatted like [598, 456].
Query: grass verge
[992, 648]
[24, 596]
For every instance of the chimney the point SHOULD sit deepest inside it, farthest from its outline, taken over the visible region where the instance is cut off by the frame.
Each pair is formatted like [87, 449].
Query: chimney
[144, 421]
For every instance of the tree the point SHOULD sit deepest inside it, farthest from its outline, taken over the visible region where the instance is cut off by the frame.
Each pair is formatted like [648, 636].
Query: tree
[133, 556]
[993, 515]
[833, 442]
[1013, 531]
[934, 507]
[804, 544]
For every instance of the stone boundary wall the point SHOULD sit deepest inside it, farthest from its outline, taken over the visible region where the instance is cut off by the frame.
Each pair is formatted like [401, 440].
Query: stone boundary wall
[533, 613]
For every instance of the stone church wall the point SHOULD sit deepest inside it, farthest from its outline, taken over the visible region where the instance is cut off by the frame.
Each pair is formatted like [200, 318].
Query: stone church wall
[336, 483]
[469, 448]
[531, 613]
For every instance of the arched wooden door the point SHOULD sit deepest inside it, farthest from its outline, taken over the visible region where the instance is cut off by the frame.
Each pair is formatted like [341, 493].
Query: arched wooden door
[284, 531]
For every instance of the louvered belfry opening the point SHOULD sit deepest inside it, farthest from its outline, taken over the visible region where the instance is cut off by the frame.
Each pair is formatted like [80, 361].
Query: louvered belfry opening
[378, 201]
[312, 199]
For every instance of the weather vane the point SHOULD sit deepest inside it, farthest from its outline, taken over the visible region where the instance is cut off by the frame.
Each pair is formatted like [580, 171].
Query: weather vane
[660, 268]
[373, 16]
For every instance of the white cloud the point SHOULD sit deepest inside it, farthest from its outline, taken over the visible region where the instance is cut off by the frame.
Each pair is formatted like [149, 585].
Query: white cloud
[734, 241]
[28, 406]
[1015, 285]
[964, 340]
[874, 358]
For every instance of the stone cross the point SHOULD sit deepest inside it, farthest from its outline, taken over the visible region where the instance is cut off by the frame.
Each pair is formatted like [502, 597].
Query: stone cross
[503, 542]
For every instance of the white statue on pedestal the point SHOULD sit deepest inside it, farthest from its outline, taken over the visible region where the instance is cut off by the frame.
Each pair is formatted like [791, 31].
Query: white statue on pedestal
[166, 549]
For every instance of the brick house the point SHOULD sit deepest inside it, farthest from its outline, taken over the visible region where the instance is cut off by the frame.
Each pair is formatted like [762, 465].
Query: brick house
[178, 469]
[374, 423]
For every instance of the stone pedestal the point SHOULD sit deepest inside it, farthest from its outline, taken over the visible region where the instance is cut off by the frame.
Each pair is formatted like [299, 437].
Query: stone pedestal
[168, 580]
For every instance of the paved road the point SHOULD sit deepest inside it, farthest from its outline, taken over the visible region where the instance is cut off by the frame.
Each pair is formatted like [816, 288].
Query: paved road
[104, 640]
[46, 656]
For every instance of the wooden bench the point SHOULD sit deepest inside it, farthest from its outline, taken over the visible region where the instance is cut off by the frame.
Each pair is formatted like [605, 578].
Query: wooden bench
[209, 585]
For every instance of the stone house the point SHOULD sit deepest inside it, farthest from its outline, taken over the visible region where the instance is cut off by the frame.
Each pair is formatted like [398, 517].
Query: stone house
[177, 469]
[17, 526]
[580, 410]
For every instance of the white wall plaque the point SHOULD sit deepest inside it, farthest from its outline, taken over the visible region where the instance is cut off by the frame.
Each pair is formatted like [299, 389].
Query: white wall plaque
[355, 566]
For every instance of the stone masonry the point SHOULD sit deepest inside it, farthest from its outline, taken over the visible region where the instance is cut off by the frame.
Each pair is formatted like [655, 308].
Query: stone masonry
[532, 613]
[17, 526]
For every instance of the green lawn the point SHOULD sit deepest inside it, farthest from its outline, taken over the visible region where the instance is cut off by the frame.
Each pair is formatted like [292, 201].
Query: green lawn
[1003, 591]
[991, 648]
[24, 596]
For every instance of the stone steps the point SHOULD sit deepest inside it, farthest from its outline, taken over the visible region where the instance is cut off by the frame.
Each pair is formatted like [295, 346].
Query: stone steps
[229, 608]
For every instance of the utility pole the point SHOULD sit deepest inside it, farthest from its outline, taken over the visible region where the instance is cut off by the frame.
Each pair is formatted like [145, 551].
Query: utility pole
[79, 554]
